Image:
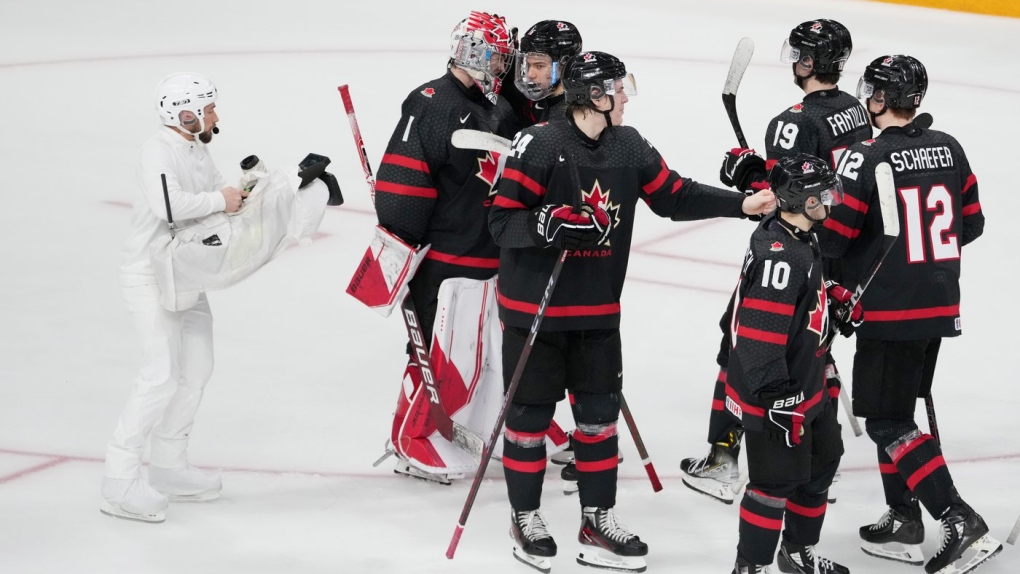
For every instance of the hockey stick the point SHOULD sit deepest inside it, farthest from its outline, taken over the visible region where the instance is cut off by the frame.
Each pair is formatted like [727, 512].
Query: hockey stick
[345, 94]
[452, 431]
[845, 401]
[476, 139]
[933, 425]
[515, 380]
[741, 59]
[1014, 533]
[640, 444]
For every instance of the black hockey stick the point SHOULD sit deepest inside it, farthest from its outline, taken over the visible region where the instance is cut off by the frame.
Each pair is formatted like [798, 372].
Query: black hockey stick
[515, 380]
[741, 59]
[640, 444]
[166, 201]
[933, 425]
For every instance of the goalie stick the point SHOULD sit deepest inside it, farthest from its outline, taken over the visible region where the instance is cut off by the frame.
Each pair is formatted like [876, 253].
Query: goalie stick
[475, 139]
[741, 59]
[452, 431]
[515, 380]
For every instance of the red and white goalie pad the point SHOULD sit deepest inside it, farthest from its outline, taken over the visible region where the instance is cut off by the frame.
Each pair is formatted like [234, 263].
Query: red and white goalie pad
[381, 279]
[466, 359]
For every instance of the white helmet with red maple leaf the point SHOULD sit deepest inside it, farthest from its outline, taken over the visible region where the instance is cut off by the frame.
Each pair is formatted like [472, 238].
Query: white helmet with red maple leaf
[482, 46]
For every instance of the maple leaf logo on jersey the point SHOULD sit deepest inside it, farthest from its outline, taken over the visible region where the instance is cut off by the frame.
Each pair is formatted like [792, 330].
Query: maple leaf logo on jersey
[487, 167]
[818, 319]
[428, 92]
[776, 246]
[601, 199]
[867, 142]
[797, 108]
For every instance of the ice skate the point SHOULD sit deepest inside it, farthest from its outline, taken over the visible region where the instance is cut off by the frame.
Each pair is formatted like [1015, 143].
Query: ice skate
[608, 544]
[186, 484]
[965, 543]
[569, 476]
[407, 469]
[533, 545]
[744, 567]
[718, 474]
[133, 499]
[796, 559]
[896, 536]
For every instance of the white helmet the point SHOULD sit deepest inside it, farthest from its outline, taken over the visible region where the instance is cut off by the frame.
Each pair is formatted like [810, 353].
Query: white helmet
[481, 45]
[184, 92]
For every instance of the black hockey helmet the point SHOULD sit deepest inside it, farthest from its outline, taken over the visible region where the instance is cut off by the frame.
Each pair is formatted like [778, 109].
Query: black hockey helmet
[797, 177]
[902, 81]
[826, 42]
[556, 39]
[592, 75]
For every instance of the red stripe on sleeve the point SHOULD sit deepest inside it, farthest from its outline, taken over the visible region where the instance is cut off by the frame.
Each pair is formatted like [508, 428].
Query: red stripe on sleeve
[972, 208]
[528, 183]
[769, 306]
[656, 183]
[971, 182]
[841, 229]
[923, 472]
[759, 335]
[855, 204]
[411, 190]
[404, 161]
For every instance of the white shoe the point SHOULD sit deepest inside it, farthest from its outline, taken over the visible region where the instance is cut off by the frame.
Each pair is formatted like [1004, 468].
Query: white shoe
[132, 498]
[186, 484]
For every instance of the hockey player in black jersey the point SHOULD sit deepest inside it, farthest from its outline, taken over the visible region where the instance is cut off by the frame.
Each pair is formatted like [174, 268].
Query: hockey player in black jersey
[912, 304]
[431, 193]
[538, 212]
[779, 328]
[824, 125]
[536, 94]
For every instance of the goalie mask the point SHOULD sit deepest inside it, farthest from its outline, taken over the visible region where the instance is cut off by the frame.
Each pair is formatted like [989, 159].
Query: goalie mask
[481, 46]
[186, 92]
[801, 182]
[544, 52]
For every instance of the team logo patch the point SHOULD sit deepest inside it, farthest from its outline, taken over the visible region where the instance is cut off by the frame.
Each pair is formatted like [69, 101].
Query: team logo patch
[797, 108]
[816, 27]
[818, 319]
[561, 26]
[733, 407]
[601, 199]
[776, 246]
[589, 57]
[867, 142]
[487, 168]
[807, 168]
[428, 92]
[887, 62]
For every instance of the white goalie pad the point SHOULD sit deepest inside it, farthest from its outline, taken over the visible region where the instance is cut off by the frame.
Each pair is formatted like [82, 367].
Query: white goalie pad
[467, 359]
[221, 249]
[380, 281]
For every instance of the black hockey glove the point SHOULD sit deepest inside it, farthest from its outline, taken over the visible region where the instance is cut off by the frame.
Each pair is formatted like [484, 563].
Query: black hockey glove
[782, 421]
[559, 226]
[314, 167]
[845, 318]
[741, 167]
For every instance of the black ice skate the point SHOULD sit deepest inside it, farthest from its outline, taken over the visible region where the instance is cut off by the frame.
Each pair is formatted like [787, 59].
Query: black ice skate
[569, 476]
[744, 567]
[965, 542]
[718, 474]
[797, 559]
[897, 535]
[533, 545]
[607, 544]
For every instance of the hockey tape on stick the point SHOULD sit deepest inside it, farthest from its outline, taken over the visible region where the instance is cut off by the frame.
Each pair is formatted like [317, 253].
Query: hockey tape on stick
[345, 95]
[640, 444]
[475, 139]
[738, 65]
[1015, 532]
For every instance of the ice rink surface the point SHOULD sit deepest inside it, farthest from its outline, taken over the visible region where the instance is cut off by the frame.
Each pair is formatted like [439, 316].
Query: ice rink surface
[306, 378]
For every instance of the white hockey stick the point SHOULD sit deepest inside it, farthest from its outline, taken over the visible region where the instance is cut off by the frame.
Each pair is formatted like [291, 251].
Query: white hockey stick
[475, 139]
[741, 59]
[845, 400]
[1014, 533]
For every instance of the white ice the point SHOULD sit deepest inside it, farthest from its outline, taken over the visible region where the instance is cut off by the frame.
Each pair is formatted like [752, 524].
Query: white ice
[306, 379]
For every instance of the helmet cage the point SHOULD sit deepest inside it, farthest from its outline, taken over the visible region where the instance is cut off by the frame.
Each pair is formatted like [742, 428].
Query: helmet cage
[480, 45]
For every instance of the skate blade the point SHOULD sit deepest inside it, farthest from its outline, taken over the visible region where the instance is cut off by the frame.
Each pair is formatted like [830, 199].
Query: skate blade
[905, 553]
[197, 497]
[722, 491]
[569, 487]
[116, 511]
[606, 560]
[413, 472]
[541, 563]
[983, 549]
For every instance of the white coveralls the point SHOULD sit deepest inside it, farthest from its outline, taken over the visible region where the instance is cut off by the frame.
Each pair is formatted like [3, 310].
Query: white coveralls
[177, 346]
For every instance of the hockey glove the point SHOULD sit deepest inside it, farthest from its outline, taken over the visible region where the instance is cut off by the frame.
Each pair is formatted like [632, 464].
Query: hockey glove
[559, 226]
[845, 318]
[742, 167]
[782, 421]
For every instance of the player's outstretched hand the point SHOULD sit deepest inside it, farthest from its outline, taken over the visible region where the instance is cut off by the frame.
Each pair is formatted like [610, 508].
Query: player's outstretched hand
[741, 167]
[760, 203]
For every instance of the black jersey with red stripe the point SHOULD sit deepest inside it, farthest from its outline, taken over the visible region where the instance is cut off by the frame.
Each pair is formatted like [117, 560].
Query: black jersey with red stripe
[916, 292]
[778, 322]
[615, 171]
[824, 125]
[429, 192]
